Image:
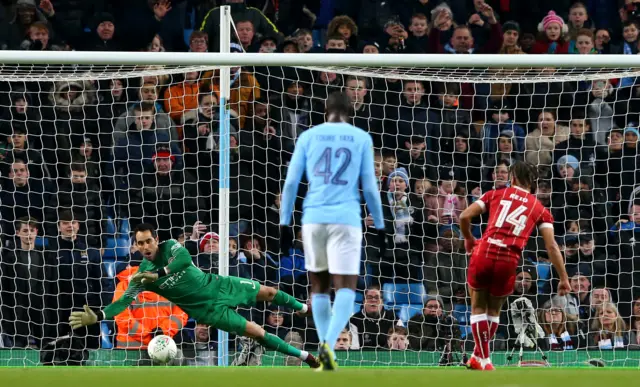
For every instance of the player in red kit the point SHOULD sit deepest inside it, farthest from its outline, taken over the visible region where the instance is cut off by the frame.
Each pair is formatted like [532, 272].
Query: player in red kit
[513, 213]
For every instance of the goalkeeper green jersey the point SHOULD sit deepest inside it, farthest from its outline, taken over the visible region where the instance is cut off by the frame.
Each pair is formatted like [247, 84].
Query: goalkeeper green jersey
[186, 285]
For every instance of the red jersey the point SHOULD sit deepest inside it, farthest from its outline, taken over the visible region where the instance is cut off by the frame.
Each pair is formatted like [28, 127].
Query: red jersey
[513, 213]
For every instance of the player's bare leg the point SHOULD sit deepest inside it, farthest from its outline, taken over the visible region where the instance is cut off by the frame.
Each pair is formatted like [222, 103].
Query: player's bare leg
[480, 329]
[280, 298]
[256, 332]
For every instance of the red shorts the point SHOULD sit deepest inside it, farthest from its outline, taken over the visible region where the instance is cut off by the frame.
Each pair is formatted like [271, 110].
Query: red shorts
[496, 276]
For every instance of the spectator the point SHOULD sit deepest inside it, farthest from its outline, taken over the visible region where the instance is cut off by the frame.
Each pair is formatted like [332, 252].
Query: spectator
[78, 276]
[561, 331]
[148, 316]
[304, 38]
[579, 20]
[445, 269]
[499, 120]
[410, 118]
[451, 118]
[255, 262]
[26, 14]
[21, 196]
[602, 39]
[168, 196]
[397, 339]
[198, 41]
[275, 323]
[608, 330]
[81, 195]
[511, 35]
[554, 31]
[208, 259]
[373, 322]
[156, 44]
[345, 26]
[404, 229]
[246, 33]
[462, 41]
[136, 136]
[433, 329]
[27, 288]
[578, 301]
[182, 97]
[583, 44]
[413, 157]
[580, 145]
[335, 44]
[541, 142]
[239, 11]
[629, 46]
[344, 341]
[418, 40]
[17, 148]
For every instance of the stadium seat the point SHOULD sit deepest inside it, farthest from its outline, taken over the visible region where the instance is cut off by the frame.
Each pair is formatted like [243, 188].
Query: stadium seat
[110, 226]
[357, 307]
[117, 247]
[106, 334]
[407, 311]
[402, 294]
[462, 313]
[41, 241]
[359, 297]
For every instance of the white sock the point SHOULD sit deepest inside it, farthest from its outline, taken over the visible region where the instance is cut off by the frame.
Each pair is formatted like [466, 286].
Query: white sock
[304, 354]
[305, 309]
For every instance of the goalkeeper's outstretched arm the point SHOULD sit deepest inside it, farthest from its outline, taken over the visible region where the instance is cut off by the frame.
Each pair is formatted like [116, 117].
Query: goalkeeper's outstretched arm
[90, 317]
[556, 259]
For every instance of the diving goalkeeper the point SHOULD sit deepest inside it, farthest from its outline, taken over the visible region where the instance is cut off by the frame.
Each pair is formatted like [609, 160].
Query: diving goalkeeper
[210, 299]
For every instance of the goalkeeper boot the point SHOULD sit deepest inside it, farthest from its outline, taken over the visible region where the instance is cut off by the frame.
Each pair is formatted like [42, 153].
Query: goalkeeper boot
[313, 362]
[489, 367]
[327, 358]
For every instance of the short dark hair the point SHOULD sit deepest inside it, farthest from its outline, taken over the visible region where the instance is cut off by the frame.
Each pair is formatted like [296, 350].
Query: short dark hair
[78, 167]
[32, 222]
[338, 103]
[525, 174]
[142, 227]
[145, 106]
[335, 36]
[68, 216]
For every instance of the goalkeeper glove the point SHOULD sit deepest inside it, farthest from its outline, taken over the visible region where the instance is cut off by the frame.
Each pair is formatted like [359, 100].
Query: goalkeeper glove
[144, 277]
[382, 242]
[82, 319]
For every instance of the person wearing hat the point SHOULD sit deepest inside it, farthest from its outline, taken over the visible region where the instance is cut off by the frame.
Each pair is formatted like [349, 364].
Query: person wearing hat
[370, 47]
[511, 35]
[554, 30]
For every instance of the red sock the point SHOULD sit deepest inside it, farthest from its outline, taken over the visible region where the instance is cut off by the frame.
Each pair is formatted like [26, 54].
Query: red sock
[481, 335]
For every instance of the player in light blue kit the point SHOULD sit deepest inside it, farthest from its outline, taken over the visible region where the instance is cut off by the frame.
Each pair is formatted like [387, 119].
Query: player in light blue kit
[337, 158]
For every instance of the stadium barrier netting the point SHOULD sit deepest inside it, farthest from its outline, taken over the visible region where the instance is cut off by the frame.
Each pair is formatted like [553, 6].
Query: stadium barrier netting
[90, 151]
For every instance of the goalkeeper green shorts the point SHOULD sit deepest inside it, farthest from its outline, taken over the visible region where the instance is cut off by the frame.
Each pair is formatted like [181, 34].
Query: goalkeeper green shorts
[233, 292]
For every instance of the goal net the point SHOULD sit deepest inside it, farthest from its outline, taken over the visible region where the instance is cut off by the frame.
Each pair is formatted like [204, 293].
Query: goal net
[88, 152]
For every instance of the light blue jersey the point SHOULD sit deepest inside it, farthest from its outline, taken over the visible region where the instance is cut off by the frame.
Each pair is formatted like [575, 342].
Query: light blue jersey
[336, 157]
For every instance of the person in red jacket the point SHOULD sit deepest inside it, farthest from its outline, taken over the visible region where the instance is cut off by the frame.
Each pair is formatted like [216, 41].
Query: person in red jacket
[149, 315]
[554, 30]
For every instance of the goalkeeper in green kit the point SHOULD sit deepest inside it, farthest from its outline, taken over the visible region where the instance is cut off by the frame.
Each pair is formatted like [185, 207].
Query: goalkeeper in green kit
[210, 299]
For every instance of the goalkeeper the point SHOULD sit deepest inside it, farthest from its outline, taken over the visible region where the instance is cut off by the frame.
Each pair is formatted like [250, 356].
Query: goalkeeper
[210, 299]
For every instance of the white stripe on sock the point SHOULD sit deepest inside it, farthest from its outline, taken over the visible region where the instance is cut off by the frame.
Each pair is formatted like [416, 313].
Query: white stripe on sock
[304, 355]
[479, 344]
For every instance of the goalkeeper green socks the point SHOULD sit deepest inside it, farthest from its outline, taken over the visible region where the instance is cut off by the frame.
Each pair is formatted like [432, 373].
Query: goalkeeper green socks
[283, 299]
[277, 344]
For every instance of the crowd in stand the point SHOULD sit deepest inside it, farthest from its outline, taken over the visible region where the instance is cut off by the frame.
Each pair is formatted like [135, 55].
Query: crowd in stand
[83, 162]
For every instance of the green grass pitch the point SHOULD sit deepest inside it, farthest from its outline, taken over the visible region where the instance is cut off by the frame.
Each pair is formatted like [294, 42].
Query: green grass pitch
[285, 377]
